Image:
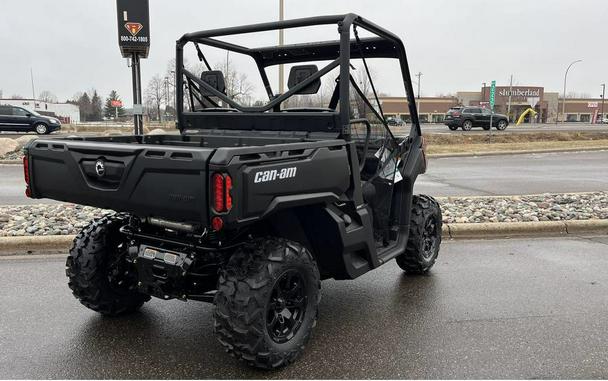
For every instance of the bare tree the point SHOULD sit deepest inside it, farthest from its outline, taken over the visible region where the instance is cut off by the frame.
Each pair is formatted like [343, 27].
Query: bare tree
[47, 96]
[155, 94]
[238, 86]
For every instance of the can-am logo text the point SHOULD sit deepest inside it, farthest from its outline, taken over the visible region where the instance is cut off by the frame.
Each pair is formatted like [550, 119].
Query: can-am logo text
[274, 174]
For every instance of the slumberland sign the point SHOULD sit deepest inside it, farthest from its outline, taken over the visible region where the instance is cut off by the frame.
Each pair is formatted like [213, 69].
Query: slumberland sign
[519, 92]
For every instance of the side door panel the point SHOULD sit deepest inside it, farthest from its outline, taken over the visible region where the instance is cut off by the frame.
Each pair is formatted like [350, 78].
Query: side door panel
[20, 119]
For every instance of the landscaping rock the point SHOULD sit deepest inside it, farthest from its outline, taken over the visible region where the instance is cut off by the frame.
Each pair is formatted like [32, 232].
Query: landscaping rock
[7, 145]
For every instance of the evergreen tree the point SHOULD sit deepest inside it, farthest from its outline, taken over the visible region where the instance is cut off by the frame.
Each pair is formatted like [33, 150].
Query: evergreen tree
[95, 107]
[109, 111]
[84, 103]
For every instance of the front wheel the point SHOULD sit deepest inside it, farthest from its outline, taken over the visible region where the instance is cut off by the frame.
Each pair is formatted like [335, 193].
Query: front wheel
[267, 302]
[41, 129]
[467, 125]
[99, 275]
[502, 124]
[424, 236]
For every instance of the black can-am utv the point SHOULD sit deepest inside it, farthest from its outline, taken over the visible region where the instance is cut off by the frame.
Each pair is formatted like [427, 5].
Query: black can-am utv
[250, 206]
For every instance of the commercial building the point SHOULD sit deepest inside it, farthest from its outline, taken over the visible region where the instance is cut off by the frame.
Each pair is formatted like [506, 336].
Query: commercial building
[509, 100]
[65, 112]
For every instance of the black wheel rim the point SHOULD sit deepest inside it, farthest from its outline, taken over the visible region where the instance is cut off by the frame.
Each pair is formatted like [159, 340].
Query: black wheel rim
[287, 307]
[429, 238]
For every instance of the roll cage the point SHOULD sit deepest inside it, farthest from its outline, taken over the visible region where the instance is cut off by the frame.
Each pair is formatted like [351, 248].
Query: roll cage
[339, 52]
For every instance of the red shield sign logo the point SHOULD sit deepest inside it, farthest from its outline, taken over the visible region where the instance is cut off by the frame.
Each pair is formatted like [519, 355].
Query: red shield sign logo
[133, 28]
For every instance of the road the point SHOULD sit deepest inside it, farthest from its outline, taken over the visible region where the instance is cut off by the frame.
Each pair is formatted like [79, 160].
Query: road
[12, 187]
[547, 127]
[516, 174]
[518, 308]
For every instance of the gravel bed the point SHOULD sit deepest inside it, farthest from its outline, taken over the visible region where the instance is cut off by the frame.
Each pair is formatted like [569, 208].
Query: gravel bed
[62, 219]
[14, 155]
[546, 207]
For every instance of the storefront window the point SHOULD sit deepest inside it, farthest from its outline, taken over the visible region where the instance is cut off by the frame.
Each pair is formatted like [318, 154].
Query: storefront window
[571, 118]
[406, 118]
[424, 118]
[586, 118]
[438, 118]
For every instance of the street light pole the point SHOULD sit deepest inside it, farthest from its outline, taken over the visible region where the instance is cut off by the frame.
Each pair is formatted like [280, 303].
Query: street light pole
[419, 75]
[564, 98]
[603, 96]
[281, 68]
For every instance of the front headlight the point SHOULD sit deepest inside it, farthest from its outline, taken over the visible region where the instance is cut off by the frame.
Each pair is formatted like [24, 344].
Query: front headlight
[54, 121]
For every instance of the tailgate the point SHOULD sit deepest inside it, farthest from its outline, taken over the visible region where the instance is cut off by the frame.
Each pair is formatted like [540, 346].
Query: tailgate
[143, 179]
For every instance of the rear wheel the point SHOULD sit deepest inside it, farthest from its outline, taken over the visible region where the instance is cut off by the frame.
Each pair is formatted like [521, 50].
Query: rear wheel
[267, 301]
[452, 127]
[41, 129]
[467, 125]
[424, 236]
[502, 124]
[99, 275]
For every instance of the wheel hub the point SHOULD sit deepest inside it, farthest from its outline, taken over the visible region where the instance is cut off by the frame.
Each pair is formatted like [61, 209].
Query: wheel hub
[287, 307]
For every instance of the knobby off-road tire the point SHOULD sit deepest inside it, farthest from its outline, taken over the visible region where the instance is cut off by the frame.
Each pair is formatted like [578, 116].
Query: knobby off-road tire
[424, 237]
[98, 275]
[267, 286]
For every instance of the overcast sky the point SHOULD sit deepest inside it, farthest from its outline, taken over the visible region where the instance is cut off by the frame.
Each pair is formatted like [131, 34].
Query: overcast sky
[71, 45]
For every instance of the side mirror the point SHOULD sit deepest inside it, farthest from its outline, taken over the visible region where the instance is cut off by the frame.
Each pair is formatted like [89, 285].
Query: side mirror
[28, 115]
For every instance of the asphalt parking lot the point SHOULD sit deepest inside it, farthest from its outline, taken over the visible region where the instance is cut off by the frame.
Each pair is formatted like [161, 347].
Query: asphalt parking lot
[519, 308]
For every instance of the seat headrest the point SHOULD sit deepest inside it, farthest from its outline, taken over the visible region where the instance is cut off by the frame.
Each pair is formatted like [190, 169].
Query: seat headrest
[299, 74]
[215, 78]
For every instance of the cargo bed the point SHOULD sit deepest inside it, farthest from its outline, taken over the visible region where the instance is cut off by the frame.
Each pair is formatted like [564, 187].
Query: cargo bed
[154, 175]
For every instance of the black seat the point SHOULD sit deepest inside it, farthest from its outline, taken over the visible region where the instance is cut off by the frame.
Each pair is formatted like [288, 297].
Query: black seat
[214, 78]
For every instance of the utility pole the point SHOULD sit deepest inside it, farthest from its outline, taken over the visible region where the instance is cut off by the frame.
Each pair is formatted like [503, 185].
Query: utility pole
[564, 99]
[33, 89]
[483, 92]
[419, 75]
[603, 96]
[281, 40]
[509, 102]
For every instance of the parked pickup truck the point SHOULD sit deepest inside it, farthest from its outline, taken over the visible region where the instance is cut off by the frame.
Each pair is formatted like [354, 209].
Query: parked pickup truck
[250, 206]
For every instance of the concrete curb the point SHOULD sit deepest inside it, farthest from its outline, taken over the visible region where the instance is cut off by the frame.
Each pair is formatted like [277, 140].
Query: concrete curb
[35, 244]
[524, 229]
[11, 162]
[522, 152]
[11, 246]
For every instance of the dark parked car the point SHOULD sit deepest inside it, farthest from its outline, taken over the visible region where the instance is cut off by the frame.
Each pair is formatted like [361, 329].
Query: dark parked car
[13, 118]
[394, 121]
[469, 117]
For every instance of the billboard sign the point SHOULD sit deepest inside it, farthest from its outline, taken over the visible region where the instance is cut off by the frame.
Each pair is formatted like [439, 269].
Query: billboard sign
[133, 27]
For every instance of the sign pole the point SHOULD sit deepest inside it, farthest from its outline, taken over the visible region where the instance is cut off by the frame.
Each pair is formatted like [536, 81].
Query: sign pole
[138, 128]
[134, 42]
[492, 98]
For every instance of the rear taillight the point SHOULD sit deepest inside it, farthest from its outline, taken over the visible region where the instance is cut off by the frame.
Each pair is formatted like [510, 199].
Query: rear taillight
[26, 169]
[26, 175]
[222, 199]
